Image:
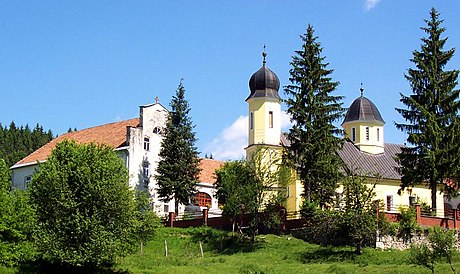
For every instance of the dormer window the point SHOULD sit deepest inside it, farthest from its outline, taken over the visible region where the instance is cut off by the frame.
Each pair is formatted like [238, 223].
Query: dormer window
[146, 143]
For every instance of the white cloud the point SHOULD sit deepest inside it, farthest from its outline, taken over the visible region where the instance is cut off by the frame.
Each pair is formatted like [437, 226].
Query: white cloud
[230, 143]
[370, 4]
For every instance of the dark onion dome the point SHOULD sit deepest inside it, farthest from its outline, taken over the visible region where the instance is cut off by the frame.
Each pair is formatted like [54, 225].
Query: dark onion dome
[264, 82]
[363, 110]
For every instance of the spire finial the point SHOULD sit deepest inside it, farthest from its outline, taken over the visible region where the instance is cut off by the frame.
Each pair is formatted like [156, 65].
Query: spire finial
[157, 100]
[264, 54]
[362, 90]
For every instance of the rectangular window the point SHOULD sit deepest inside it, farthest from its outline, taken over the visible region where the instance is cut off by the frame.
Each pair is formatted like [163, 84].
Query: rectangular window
[389, 202]
[378, 135]
[27, 180]
[288, 193]
[353, 134]
[270, 119]
[147, 143]
[412, 200]
[145, 170]
[251, 120]
[166, 208]
[367, 133]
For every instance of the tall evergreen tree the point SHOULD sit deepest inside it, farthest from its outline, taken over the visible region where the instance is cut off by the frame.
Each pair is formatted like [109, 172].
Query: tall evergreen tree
[432, 121]
[313, 109]
[178, 168]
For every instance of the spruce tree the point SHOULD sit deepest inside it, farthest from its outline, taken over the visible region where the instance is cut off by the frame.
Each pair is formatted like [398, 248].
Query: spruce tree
[431, 115]
[314, 139]
[178, 168]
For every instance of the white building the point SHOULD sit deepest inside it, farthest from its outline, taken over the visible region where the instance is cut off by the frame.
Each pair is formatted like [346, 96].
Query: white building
[138, 142]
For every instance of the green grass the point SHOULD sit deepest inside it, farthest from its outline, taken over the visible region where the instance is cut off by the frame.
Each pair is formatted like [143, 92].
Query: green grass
[272, 254]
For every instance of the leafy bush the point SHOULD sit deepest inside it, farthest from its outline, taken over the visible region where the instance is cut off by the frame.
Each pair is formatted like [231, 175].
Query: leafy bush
[84, 207]
[440, 246]
[16, 223]
[407, 223]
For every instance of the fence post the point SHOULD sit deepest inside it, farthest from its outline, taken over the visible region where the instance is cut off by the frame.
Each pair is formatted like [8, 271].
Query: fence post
[171, 219]
[205, 216]
[455, 218]
[418, 213]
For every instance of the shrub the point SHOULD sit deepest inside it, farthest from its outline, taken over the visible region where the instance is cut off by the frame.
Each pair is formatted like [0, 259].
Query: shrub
[84, 207]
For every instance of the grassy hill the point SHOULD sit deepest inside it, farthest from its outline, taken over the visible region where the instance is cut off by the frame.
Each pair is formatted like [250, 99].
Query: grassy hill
[273, 254]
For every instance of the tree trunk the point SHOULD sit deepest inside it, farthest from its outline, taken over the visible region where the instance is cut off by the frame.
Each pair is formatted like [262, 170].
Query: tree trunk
[433, 195]
[176, 206]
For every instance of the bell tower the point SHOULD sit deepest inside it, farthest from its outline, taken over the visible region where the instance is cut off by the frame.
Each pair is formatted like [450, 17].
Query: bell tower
[264, 109]
[363, 125]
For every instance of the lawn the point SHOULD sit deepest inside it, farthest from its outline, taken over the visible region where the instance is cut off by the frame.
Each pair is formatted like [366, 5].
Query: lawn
[272, 254]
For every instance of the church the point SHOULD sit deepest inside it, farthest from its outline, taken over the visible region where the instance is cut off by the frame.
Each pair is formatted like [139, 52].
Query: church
[137, 141]
[364, 153]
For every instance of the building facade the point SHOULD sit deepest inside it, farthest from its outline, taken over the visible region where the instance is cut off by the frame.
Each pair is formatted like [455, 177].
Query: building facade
[138, 142]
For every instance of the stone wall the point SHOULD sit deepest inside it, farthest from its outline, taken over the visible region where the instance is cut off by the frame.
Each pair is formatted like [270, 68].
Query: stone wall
[394, 242]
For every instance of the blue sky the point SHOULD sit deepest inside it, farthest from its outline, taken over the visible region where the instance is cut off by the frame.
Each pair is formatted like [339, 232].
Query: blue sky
[85, 63]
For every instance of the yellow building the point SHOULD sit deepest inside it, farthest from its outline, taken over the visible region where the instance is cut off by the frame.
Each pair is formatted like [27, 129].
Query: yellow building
[364, 152]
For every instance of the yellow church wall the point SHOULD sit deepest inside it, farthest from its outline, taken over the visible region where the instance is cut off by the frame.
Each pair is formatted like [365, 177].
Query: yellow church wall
[261, 131]
[384, 188]
[372, 145]
[294, 200]
[387, 188]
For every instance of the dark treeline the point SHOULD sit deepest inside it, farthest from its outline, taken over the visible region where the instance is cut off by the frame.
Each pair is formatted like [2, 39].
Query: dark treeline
[18, 142]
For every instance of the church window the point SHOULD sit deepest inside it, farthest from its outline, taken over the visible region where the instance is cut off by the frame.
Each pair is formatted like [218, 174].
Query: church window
[147, 143]
[390, 202]
[251, 120]
[412, 200]
[202, 199]
[353, 134]
[367, 133]
[157, 130]
[270, 119]
[378, 135]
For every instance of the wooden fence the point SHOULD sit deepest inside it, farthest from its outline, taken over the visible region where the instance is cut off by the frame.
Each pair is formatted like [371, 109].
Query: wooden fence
[293, 220]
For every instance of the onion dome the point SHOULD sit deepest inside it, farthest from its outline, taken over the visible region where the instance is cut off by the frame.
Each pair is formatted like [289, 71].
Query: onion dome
[264, 82]
[363, 110]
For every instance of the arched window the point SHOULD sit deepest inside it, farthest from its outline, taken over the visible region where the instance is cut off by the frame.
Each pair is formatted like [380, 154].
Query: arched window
[202, 199]
[157, 130]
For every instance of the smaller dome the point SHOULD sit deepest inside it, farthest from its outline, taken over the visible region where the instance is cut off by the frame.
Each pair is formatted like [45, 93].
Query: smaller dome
[363, 110]
[264, 83]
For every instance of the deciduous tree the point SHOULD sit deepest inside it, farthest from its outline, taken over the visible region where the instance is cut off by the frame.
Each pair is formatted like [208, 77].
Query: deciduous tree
[84, 206]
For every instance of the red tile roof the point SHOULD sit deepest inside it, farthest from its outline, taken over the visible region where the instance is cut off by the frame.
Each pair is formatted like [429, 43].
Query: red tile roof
[208, 168]
[113, 134]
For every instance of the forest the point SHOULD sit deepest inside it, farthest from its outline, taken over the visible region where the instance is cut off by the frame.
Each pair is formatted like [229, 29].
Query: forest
[16, 142]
